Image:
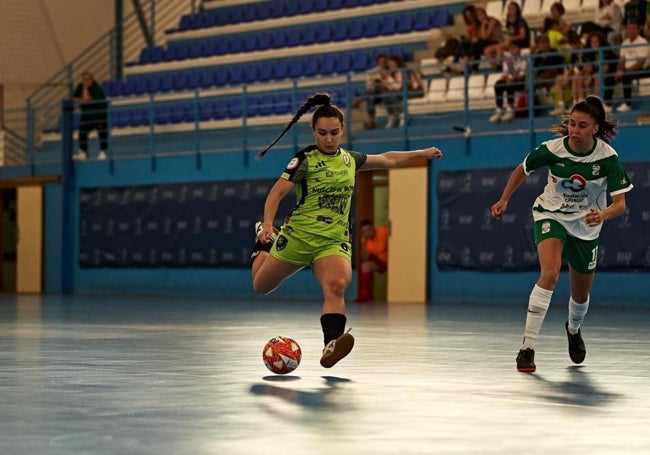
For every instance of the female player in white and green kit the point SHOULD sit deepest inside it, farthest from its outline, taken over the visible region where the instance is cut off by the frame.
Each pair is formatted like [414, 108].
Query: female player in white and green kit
[568, 215]
[316, 233]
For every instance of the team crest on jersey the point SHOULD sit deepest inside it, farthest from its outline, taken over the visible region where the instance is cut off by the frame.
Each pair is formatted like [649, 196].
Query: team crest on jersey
[346, 160]
[546, 227]
[293, 163]
[595, 169]
[281, 243]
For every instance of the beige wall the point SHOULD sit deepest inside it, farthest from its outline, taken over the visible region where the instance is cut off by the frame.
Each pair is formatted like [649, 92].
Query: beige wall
[407, 246]
[29, 261]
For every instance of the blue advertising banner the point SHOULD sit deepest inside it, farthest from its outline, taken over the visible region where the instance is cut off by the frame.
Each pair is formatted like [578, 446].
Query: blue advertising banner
[470, 239]
[207, 224]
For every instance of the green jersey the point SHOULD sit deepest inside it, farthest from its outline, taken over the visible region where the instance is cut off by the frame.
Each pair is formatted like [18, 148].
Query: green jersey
[576, 183]
[324, 188]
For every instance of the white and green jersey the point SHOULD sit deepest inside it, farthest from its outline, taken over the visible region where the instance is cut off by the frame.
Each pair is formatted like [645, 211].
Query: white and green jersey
[576, 183]
[324, 188]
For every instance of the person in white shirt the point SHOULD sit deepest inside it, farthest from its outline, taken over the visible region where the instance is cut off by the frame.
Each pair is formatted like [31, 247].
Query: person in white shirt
[512, 80]
[633, 64]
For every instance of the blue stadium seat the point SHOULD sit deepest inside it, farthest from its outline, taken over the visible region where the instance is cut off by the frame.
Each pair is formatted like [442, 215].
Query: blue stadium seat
[291, 8]
[324, 34]
[279, 38]
[265, 40]
[234, 107]
[371, 28]
[282, 103]
[308, 34]
[388, 24]
[265, 105]
[279, 69]
[442, 17]
[209, 48]
[219, 109]
[141, 84]
[342, 63]
[365, 2]
[361, 60]
[180, 81]
[265, 71]
[355, 29]
[195, 49]
[312, 65]
[194, 79]
[293, 37]
[305, 6]
[208, 18]
[185, 23]
[207, 77]
[128, 88]
[221, 45]
[262, 10]
[422, 21]
[139, 116]
[327, 64]
[236, 14]
[220, 76]
[350, 3]
[249, 42]
[250, 72]
[320, 5]
[235, 74]
[205, 110]
[404, 23]
[175, 113]
[340, 31]
[277, 9]
[249, 14]
[162, 114]
[296, 68]
[119, 118]
[333, 4]
[235, 44]
[152, 54]
[223, 16]
[166, 82]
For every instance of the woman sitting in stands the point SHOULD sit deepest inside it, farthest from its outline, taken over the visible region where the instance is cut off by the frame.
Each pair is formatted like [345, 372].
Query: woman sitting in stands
[518, 33]
[401, 78]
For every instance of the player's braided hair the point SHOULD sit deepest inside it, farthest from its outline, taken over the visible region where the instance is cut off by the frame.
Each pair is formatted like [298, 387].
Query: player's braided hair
[592, 106]
[326, 109]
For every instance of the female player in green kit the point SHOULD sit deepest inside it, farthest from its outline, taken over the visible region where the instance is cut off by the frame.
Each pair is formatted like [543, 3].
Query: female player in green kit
[316, 233]
[568, 215]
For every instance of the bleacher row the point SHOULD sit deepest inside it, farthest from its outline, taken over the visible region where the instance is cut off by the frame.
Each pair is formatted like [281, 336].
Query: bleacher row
[246, 73]
[260, 11]
[302, 35]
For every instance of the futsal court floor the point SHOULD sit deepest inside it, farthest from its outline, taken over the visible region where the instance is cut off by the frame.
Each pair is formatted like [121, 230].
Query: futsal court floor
[126, 375]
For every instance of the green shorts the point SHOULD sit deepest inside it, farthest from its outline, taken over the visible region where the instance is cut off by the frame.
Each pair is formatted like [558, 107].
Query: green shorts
[305, 248]
[581, 254]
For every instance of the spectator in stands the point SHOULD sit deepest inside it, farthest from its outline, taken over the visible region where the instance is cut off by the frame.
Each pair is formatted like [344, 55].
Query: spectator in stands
[316, 232]
[547, 64]
[512, 80]
[568, 83]
[634, 63]
[518, 32]
[374, 257]
[635, 11]
[598, 56]
[490, 32]
[399, 79]
[557, 12]
[551, 29]
[608, 20]
[92, 102]
[374, 90]
[467, 43]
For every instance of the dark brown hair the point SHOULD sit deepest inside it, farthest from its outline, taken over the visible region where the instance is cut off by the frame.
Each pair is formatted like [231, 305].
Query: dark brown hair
[326, 109]
[593, 107]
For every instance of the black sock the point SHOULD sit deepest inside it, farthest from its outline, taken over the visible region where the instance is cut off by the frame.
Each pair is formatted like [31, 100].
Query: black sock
[333, 325]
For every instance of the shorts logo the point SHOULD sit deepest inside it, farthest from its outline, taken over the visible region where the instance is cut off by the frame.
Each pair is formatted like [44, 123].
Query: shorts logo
[546, 227]
[344, 247]
[281, 243]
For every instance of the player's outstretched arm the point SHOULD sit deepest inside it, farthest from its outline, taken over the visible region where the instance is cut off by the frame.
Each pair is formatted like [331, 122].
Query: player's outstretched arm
[389, 160]
[516, 178]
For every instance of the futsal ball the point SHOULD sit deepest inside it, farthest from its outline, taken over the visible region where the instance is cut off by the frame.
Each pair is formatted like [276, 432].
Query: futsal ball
[281, 355]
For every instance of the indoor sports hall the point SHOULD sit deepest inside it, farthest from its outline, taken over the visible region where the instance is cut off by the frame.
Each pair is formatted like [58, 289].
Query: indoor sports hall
[128, 320]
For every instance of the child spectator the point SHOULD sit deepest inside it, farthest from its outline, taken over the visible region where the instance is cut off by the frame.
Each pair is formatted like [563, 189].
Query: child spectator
[512, 80]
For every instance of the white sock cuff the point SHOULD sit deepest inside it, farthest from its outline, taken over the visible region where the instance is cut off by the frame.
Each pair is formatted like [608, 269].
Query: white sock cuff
[540, 297]
[578, 309]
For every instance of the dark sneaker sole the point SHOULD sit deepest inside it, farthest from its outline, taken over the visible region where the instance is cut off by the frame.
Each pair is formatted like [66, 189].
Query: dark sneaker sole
[577, 355]
[526, 370]
[342, 348]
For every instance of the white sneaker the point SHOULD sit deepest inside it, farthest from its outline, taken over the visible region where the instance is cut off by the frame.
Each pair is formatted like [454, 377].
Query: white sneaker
[402, 121]
[559, 110]
[608, 108]
[496, 117]
[392, 121]
[102, 155]
[80, 156]
[508, 115]
[258, 229]
[624, 108]
[337, 349]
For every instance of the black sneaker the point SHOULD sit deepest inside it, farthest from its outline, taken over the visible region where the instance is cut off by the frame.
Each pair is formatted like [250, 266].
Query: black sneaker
[526, 360]
[335, 350]
[577, 350]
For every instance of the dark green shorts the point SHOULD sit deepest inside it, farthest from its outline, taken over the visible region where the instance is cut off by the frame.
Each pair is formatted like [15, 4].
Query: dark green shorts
[581, 254]
[306, 248]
